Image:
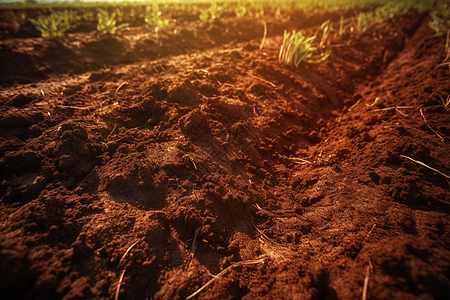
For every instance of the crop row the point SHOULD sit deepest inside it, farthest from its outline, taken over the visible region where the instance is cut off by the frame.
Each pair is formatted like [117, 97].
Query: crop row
[53, 21]
[135, 12]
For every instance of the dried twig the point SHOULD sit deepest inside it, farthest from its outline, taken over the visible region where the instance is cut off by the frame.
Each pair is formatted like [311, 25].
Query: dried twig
[370, 231]
[446, 102]
[194, 242]
[75, 107]
[115, 125]
[374, 102]
[300, 160]
[193, 162]
[126, 252]
[439, 136]
[118, 285]
[121, 85]
[391, 108]
[257, 206]
[366, 283]
[426, 166]
[263, 80]
[354, 105]
[241, 263]
[261, 233]
[193, 248]
[264, 37]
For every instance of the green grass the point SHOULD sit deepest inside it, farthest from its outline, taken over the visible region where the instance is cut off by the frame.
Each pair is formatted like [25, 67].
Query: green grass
[107, 23]
[153, 16]
[364, 20]
[51, 26]
[297, 48]
[214, 11]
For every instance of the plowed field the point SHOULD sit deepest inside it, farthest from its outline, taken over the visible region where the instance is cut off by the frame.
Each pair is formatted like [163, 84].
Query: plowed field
[147, 164]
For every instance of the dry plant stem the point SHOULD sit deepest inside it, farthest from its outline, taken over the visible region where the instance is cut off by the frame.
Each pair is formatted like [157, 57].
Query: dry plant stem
[439, 136]
[76, 107]
[194, 242]
[126, 252]
[115, 126]
[193, 248]
[391, 108]
[300, 161]
[446, 102]
[261, 233]
[263, 80]
[401, 113]
[354, 105]
[192, 160]
[241, 263]
[370, 231]
[366, 283]
[121, 85]
[426, 166]
[374, 102]
[116, 297]
[264, 36]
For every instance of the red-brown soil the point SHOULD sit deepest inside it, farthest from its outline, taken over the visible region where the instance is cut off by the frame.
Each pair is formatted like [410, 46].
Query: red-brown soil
[158, 160]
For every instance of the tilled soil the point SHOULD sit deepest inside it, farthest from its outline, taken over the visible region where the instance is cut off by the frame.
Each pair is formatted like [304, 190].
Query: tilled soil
[142, 166]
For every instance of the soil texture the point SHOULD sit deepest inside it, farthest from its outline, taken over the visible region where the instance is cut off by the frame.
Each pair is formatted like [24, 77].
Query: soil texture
[148, 164]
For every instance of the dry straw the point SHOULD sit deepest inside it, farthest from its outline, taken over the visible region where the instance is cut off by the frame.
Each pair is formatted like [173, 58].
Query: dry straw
[426, 166]
[226, 270]
[434, 131]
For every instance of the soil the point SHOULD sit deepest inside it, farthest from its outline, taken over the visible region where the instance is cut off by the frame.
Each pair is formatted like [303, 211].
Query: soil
[141, 166]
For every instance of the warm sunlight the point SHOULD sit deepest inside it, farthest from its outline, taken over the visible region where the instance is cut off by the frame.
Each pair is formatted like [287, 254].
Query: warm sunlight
[225, 149]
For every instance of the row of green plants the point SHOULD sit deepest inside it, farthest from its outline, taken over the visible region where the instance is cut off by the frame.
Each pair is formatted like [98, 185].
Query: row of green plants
[53, 23]
[57, 22]
[240, 8]
[297, 48]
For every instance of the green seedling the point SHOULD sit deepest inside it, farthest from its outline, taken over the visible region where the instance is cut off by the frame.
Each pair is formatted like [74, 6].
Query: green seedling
[67, 15]
[363, 22]
[51, 26]
[204, 15]
[153, 16]
[326, 28]
[257, 9]
[386, 12]
[278, 13]
[438, 23]
[87, 16]
[107, 23]
[240, 10]
[297, 48]
[212, 12]
[133, 14]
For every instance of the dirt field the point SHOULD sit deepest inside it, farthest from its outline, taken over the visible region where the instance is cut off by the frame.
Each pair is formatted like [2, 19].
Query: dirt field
[143, 165]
